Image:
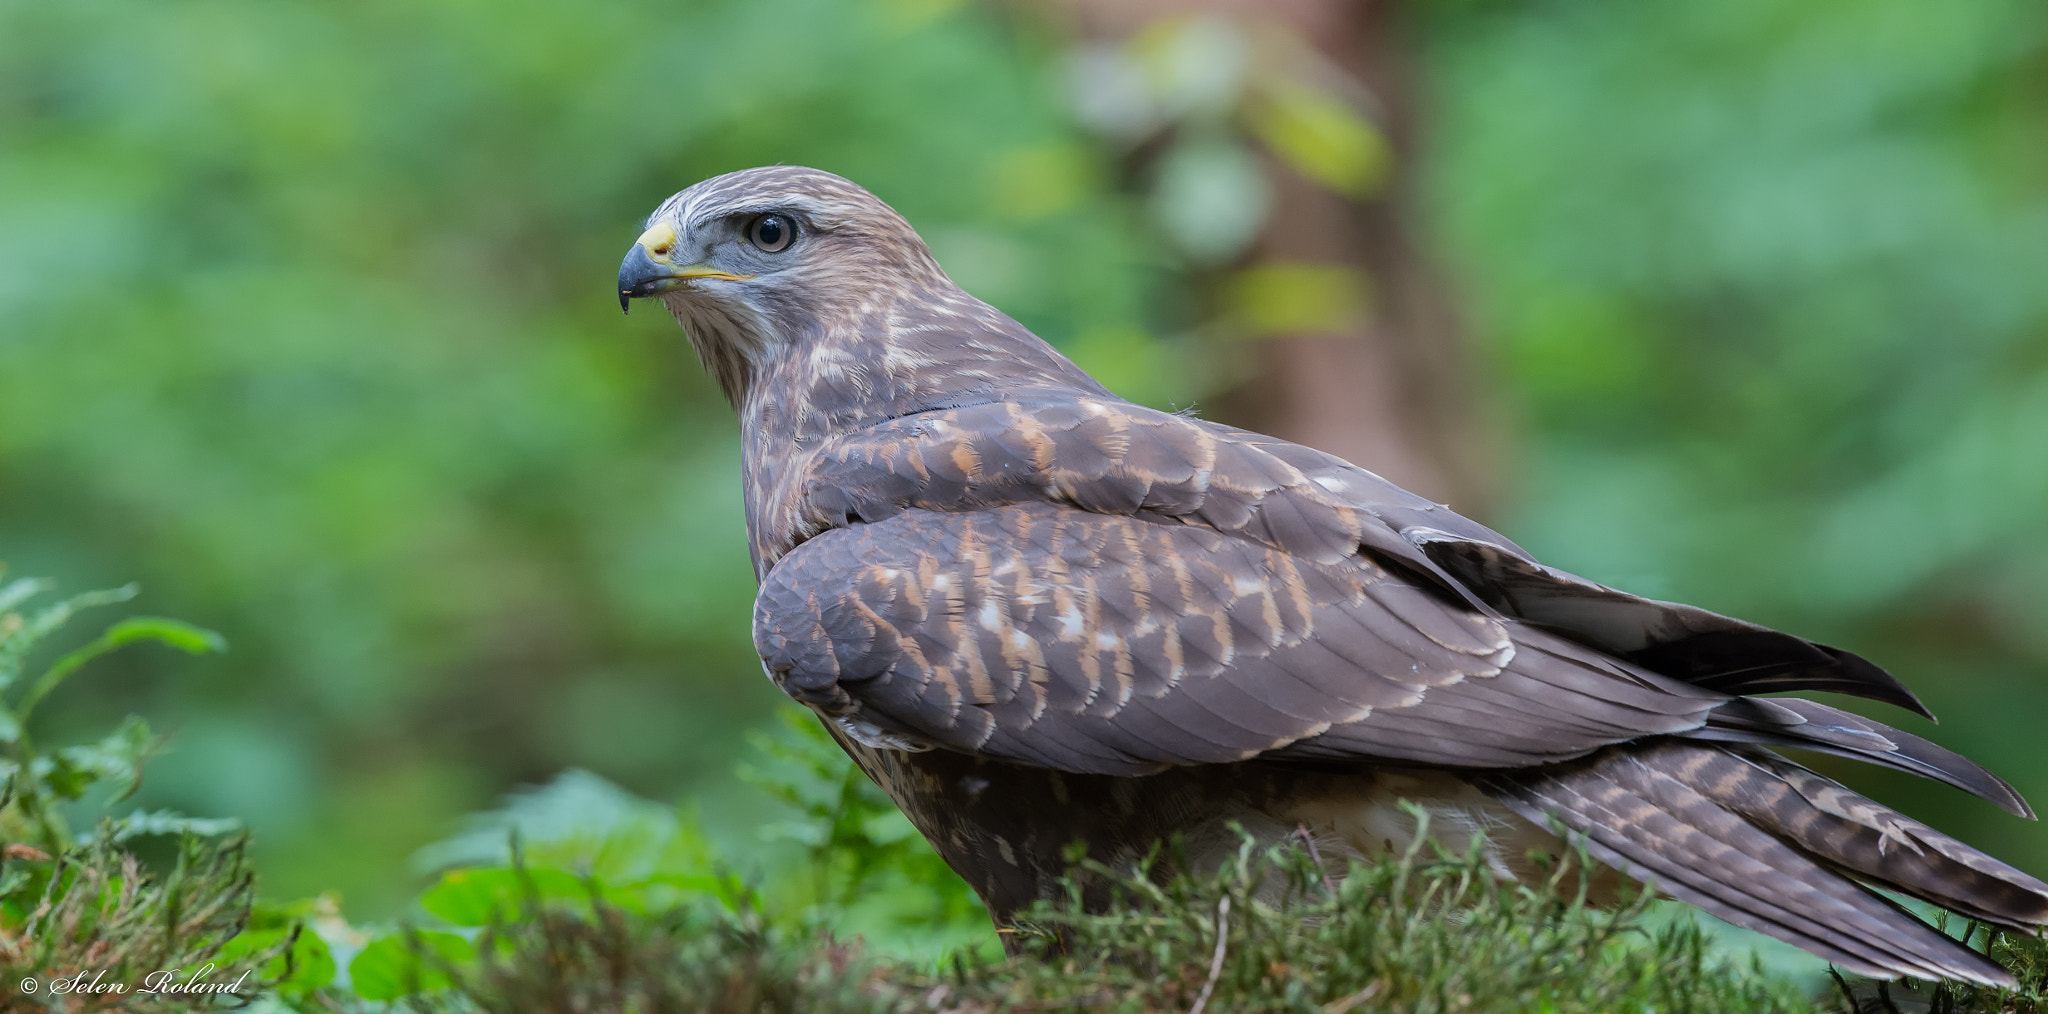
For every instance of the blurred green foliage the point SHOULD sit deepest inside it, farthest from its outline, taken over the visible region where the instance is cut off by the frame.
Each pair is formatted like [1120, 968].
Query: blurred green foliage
[305, 320]
[578, 895]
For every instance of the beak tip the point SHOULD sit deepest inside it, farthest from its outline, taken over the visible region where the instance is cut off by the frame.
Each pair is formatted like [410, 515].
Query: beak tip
[638, 276]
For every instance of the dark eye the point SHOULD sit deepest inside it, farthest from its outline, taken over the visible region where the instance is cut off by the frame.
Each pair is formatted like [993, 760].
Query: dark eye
[771, 233]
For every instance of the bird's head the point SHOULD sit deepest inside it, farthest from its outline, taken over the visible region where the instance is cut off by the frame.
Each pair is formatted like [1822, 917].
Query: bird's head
[755, 262]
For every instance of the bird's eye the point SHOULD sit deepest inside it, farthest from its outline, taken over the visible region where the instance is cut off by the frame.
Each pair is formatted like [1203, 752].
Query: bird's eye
[771, 233]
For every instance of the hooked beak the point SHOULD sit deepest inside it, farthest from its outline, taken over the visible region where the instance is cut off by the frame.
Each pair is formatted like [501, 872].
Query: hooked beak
[648, 271]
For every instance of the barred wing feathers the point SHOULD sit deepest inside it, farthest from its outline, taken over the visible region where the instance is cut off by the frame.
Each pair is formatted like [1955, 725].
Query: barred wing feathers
[1114, 645]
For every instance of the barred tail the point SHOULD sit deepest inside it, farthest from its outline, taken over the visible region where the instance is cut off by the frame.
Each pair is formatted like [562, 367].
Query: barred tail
[1769, 845]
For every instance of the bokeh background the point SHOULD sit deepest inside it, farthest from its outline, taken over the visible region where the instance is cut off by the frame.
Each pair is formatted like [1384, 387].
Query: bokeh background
[306, 323]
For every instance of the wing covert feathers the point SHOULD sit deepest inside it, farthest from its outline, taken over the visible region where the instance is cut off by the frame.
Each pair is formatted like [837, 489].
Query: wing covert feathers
[1114, 645]
[1103, 457]
[1769, 845]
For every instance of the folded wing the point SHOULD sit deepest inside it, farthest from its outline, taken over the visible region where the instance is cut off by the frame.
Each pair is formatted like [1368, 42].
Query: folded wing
[1114, 645]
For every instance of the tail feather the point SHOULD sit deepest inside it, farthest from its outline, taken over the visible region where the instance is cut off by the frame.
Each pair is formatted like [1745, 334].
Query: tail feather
[1764, 844]
[1868, 839]
[1810, 726]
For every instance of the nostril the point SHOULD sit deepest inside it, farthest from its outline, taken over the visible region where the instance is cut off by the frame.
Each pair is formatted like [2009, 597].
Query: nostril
[658, 241]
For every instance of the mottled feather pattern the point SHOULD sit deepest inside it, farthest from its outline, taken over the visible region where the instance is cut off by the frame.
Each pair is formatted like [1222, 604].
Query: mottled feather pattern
[1104, 644]
[1102, 456]
[1119, 645]
[1038, 614]
[1755, 839]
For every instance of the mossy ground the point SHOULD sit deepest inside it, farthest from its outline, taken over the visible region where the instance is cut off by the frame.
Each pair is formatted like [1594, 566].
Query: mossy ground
[1422, 932]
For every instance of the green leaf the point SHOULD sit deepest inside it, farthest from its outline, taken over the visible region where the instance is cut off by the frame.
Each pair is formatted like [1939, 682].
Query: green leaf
[307, 966]
[579, 822]
[186, 637]
[19, 635]
[63, 775]
[888, 828]
[173, 633]
[404, 964]
[665, 891]
[473, 897]
[119, 758]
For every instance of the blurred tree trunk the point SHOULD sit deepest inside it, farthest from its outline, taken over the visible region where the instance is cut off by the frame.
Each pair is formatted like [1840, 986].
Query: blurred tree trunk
[1391, 390]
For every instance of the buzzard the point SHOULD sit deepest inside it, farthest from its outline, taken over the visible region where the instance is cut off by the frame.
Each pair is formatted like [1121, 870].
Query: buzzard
[1036, 614]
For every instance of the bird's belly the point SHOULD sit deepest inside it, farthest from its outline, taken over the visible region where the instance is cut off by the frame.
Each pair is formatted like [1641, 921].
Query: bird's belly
[1373, 813]
[1007, 828]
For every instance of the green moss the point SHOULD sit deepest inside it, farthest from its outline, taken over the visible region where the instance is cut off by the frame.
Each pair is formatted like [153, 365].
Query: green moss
[1426, 931]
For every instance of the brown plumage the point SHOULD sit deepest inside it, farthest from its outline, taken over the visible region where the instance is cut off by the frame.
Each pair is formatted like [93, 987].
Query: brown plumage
[1036, 613]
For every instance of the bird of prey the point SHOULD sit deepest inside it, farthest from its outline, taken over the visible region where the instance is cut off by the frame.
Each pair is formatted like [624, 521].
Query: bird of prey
[1036, 613]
